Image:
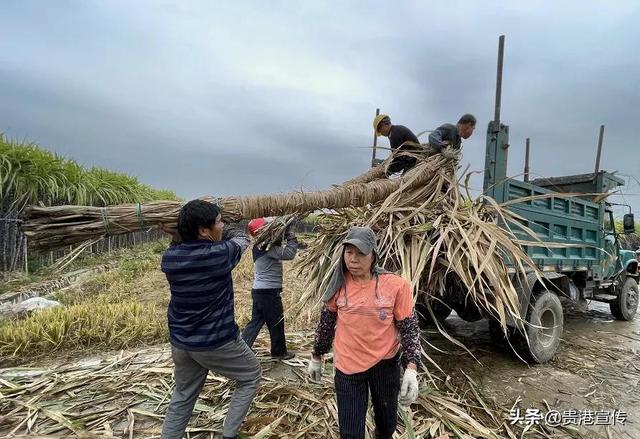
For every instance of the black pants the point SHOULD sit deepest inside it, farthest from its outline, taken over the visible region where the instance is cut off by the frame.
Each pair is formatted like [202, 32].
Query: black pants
[352, 392]
[267, 308]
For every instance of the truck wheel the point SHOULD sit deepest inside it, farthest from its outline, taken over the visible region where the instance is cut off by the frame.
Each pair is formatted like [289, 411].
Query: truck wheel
[626, 305]
[440, 310]
[545, 324]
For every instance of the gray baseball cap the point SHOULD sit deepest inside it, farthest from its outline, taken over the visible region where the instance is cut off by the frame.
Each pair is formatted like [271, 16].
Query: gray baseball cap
[362, 237]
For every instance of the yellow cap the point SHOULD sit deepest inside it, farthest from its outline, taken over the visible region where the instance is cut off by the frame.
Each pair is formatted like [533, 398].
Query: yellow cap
[376, 121]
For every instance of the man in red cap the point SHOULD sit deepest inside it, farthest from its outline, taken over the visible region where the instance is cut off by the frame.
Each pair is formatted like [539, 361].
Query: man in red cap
[266, 291]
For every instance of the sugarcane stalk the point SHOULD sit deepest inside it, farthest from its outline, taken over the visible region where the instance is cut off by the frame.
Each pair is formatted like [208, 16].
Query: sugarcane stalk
[55, 226]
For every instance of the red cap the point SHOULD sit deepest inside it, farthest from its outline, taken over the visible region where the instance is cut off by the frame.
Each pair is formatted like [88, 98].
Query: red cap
[255, 224]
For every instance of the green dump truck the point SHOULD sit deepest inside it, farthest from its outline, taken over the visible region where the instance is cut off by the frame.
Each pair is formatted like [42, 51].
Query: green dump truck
[583, 260]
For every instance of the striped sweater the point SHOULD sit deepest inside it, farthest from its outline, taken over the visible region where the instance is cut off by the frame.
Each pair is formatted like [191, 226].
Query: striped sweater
[201, 313]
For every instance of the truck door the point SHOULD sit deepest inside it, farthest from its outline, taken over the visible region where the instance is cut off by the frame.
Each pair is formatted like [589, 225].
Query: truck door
[610, 262]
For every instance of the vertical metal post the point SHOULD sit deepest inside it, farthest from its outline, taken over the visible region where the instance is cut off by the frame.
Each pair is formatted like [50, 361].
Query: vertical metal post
[526, 160]
[599, 153]
[375, 143]
[499, 80]
[496, 155]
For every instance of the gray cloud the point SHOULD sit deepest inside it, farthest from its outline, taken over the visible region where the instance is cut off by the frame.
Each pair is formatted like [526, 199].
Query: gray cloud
[223, 99]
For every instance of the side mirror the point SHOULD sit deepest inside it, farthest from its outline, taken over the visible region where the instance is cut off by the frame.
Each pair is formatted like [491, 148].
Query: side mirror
[628, 225]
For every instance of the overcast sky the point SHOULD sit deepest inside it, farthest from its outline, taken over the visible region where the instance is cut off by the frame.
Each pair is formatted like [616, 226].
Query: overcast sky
[228, 98]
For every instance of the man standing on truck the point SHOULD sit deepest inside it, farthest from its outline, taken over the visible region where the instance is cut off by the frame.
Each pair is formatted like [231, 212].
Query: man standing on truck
[447, 138]
[401, 138]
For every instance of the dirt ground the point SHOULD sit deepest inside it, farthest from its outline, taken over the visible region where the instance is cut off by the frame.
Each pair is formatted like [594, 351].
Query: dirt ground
[597, 368]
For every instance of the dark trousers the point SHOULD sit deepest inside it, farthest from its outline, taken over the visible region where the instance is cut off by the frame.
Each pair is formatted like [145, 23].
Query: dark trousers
[352, 393]
[267, 308]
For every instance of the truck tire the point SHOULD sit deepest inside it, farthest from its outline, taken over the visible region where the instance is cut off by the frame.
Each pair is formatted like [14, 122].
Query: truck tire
[545, 323]
[440, 311]
[626, 305]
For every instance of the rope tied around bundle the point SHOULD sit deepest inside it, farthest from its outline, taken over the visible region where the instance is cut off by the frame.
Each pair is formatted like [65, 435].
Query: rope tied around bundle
[139, 216]
[105, 220]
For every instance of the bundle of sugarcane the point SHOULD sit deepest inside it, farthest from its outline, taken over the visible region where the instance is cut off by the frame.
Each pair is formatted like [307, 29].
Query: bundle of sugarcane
[51, 227]
[435, 238]
[276, 231]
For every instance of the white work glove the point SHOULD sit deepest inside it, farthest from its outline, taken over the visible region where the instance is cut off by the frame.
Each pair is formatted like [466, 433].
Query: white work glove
[315, 369]
[409, 388]
[449, 153]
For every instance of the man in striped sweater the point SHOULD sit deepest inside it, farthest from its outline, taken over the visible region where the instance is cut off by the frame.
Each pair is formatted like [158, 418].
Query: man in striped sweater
[202, 329]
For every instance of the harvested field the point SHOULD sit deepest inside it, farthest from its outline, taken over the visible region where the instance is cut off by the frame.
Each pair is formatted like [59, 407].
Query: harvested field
[427, 230]
[85, 393]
